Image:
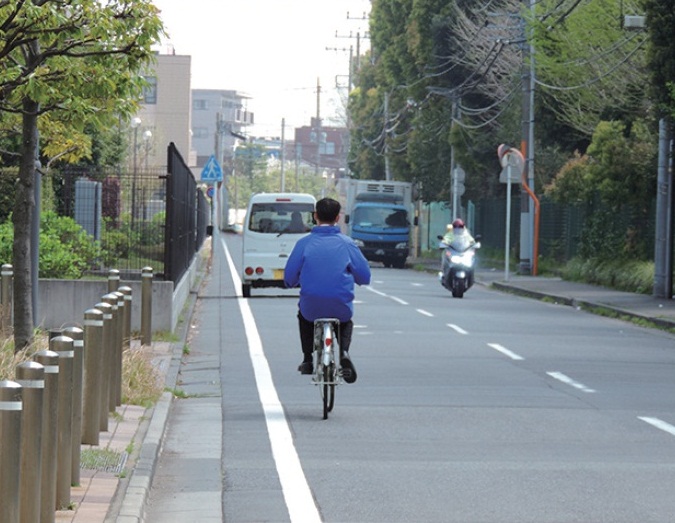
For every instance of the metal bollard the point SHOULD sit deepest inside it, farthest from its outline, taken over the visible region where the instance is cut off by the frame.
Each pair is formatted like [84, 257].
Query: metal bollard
[126, 321]
[119, 345]
[77, 335]
[6, 300]
[50, 361]
[115, 353]
[146, 306]
[91, 390]
[105, 363]
[10, 436]
[63, 346]
[31, 376]
[113, 280]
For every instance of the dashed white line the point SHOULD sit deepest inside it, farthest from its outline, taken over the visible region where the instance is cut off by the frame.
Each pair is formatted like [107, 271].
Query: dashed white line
[569, 381]
[457, 328]
[384, 295]
[425, 313]
[505, 351]
[659, 424]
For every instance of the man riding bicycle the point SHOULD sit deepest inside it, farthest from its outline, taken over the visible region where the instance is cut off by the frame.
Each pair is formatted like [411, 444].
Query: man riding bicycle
[326, 264]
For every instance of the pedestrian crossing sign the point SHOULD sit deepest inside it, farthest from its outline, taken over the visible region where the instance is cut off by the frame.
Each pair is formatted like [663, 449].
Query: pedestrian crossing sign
[212, 171]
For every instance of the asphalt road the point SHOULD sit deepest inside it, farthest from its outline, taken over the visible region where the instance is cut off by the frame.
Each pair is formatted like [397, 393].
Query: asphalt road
[492, 408]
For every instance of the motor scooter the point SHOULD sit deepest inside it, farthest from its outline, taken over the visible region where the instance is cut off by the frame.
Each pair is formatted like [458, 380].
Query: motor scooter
[457, 266]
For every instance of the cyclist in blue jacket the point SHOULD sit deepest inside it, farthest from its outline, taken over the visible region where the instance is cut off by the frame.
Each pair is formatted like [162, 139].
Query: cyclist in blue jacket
[326, 264]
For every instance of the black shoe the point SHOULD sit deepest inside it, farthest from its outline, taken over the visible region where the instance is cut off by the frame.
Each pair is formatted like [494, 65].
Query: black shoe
[306, 367]
[348, 370]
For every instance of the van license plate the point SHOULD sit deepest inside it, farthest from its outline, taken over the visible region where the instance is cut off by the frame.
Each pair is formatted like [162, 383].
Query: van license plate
[278, 274]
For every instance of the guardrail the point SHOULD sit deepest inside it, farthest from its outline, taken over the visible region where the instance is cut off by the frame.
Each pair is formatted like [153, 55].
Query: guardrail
[60, 400]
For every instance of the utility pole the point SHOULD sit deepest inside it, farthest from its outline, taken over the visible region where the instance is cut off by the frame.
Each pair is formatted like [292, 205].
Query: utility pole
[281, 156]
[527, 215]
[387, 167]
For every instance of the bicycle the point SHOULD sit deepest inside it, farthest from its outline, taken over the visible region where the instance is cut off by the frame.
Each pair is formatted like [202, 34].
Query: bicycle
[327, 371]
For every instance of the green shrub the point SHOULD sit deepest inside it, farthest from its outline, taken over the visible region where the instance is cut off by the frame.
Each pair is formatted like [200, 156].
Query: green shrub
[66, 250]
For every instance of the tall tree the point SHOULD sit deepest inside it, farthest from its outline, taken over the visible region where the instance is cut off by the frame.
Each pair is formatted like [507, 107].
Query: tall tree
[80, 61]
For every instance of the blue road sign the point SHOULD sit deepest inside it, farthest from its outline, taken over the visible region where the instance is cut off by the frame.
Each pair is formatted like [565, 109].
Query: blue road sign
[212, 171]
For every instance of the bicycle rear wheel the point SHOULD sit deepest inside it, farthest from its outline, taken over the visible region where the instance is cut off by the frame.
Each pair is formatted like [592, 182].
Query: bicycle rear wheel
[328, 390]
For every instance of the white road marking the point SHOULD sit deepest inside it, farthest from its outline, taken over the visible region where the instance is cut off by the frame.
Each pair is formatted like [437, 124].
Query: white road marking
[457, 328]
[425, 313]
[569, 381]
[659, 424]
[384, 295]
[297, 494]
[505, 351]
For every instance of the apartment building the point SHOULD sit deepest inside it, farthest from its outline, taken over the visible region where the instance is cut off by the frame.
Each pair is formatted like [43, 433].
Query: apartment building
[219, 119]
[165, 113]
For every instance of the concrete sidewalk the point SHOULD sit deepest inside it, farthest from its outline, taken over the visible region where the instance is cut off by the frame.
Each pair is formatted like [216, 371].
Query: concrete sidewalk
[119, 495]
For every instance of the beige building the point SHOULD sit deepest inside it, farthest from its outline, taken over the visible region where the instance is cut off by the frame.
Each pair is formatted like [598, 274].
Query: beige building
[165, 114]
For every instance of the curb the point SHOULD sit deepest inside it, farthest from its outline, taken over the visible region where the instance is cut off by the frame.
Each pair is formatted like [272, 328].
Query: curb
[588, 306]
[135, 495]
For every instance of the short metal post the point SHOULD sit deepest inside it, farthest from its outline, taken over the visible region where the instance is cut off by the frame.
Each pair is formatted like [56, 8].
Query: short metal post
[31, 376]
[146, 306]
[7, 275]
[10, 435]
[104, 363]
[50, 361]
[63, 346]
[77, 336]
[113, 280]
[126, 320]
[119, 346]
[115, 380]
[92, 389]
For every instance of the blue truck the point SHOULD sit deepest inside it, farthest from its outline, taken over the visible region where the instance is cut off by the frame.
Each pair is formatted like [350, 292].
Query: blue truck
[378, 215]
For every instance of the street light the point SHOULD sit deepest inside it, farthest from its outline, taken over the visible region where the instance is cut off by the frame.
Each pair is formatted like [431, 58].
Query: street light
[147, 136]
[135, 124]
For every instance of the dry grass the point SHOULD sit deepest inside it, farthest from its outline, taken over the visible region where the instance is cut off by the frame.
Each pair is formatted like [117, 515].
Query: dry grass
[142, 383]
[9, 360]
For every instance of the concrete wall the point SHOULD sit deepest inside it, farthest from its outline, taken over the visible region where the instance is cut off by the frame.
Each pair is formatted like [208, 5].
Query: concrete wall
[65, 301]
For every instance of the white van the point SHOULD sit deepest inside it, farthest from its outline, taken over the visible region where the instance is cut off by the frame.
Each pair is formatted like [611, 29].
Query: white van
[274, 223]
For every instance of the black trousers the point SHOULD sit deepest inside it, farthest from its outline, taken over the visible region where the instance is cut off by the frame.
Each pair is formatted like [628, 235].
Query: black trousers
[344, 336]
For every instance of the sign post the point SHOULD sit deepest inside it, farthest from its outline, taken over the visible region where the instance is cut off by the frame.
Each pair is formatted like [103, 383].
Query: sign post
[212, 174]
[513, 164]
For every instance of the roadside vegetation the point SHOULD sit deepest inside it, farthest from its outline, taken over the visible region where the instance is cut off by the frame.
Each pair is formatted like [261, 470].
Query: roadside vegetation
[142, 383]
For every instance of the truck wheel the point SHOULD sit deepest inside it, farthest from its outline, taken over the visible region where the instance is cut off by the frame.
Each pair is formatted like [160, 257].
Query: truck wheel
[246, 290]
[399, 264]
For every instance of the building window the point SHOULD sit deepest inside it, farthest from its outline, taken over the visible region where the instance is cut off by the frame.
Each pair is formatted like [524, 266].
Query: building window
[200, 132]
[150, 90]
[200, 104]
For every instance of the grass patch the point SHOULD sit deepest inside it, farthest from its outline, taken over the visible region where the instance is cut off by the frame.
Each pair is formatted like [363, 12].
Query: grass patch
[630, 276]
[9, 360]
[141, 382]
[177, 393]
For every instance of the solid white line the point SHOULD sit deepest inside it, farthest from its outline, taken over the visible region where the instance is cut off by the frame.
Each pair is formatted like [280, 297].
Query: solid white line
[457, 328]
[569, 381]
[659, 424]
[425, 313]
[298, 496]
[505, 351]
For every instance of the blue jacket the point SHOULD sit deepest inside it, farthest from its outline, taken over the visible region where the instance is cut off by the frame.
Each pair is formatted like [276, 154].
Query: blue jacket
[326, 264]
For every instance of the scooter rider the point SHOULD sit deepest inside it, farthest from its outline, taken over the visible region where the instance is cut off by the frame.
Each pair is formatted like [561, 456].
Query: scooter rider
[326, 264]
[458, 236]
[457, 230]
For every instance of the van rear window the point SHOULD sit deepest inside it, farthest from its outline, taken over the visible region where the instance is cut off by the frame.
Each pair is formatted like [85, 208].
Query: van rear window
[281, 217]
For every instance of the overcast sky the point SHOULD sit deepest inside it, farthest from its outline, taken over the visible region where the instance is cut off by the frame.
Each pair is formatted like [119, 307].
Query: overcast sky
[272, 50]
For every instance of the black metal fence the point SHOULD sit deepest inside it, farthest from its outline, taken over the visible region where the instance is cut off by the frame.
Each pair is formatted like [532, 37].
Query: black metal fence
[147, 217]
[187, 215]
